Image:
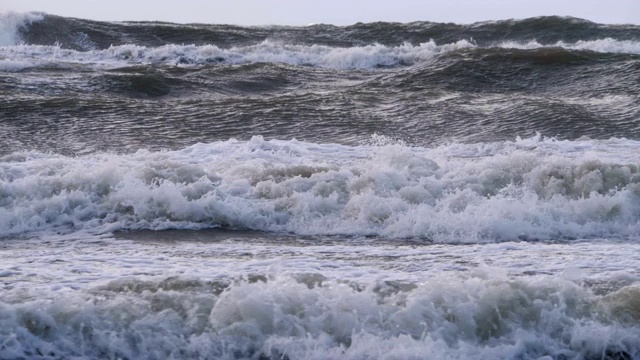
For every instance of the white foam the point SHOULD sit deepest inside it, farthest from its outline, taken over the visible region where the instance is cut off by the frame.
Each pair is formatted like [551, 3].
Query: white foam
[101, 297]
[11, 22]
[359, 57]
[14, 65]
[607, 45]
[452, 316]
[362, 57]
[531, 188]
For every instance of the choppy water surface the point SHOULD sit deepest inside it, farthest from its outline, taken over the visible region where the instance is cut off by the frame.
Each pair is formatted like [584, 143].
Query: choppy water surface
[375, 191]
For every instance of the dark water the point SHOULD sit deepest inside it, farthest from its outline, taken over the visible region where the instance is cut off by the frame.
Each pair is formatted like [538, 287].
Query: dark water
[562, 77]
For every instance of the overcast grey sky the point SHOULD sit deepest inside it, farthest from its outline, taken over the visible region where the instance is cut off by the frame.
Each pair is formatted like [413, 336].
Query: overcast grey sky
[302, 12]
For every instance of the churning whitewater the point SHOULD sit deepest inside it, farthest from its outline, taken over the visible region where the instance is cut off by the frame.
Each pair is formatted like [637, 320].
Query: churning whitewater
[529, 189]
[375, 191]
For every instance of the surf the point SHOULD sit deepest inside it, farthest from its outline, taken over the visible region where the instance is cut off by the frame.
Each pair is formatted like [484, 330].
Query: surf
[530, 189]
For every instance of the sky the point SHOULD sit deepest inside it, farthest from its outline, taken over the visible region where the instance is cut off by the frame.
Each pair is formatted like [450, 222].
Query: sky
[345, 12]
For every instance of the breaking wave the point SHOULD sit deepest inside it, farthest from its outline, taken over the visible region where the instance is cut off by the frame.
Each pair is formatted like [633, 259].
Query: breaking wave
[529, 189]
[306, 317]
[360, 57]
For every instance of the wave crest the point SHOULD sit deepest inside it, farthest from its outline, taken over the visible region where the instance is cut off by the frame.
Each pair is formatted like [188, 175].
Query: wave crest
[361, 57]
[358, 57]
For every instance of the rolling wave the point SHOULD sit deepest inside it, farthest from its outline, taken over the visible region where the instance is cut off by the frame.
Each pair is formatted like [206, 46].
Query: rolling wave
[80, 34]
[16, 58]
[131, 97]
[365, 57]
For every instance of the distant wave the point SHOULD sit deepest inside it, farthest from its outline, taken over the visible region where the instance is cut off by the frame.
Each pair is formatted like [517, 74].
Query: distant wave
[82, 34]
[421, 82]
[607, 45]
[359, 57]
[49, 38]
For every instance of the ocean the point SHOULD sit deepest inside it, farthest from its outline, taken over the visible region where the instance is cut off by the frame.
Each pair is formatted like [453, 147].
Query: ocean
[374, 191]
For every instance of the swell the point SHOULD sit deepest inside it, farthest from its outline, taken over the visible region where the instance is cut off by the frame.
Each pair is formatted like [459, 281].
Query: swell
[122, 98]
[82, 34]
[465, 93]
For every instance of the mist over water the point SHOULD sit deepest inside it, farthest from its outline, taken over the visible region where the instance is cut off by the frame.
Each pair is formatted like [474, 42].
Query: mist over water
[374, 191]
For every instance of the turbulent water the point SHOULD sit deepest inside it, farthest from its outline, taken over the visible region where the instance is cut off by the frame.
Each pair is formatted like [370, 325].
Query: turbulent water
[375, 191]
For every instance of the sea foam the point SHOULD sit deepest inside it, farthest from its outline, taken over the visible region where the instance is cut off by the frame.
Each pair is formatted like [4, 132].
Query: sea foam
[527, 189]
[606, 45]
[360, 57]
[448, 317]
